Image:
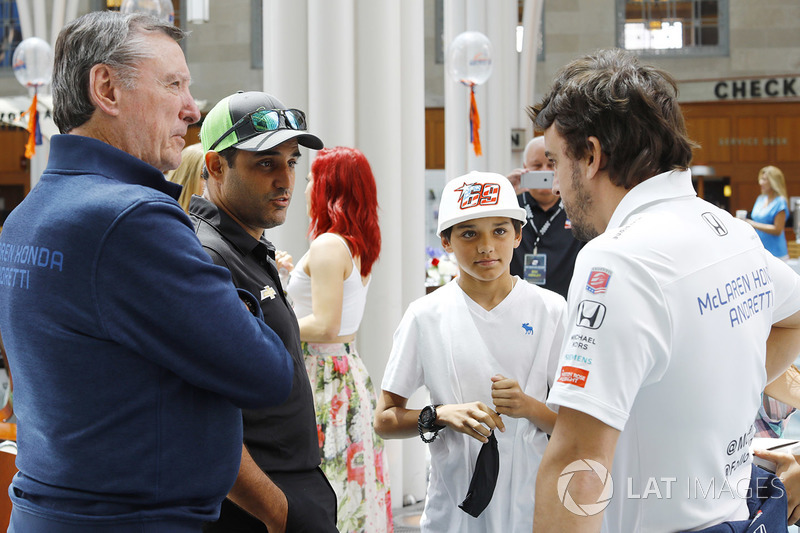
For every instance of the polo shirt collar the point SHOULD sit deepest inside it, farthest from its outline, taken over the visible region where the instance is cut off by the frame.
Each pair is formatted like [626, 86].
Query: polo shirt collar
[664, 186]
[75, 154]
[228, 227]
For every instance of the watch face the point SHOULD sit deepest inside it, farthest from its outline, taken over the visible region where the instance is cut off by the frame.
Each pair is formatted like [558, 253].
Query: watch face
[427, 417]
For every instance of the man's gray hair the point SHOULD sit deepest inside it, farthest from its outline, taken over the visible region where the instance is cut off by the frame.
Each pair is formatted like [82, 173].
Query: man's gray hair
[101, 37]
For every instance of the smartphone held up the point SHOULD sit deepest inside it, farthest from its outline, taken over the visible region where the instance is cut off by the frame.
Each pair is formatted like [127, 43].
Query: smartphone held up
[537, 179]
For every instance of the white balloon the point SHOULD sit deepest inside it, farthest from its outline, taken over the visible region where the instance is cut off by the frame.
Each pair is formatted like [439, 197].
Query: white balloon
[162, 9]
[33, 62]
[469, 58]
[168, 11]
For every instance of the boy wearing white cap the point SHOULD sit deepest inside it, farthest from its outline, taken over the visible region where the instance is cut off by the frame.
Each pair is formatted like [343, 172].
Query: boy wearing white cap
[486, 347]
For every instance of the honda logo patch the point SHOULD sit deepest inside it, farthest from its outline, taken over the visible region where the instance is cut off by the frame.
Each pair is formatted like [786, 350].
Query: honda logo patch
[715, 223]
[590, 314]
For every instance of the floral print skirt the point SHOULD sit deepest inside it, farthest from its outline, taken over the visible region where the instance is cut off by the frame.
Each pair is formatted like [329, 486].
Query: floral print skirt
[352, 453]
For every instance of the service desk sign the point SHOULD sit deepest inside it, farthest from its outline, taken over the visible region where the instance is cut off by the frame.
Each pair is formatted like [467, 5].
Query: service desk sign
[768, 88]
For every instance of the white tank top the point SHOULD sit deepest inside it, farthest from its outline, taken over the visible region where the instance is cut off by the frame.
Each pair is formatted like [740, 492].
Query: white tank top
[354, 294]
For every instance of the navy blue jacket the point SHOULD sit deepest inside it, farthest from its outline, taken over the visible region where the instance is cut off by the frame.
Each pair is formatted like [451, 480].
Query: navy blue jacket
[131, 353]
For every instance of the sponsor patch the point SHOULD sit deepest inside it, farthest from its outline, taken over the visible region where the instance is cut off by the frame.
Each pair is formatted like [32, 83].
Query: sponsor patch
[598, 280]
[715, 223]
[577, 358]
[567, 224]
[573, 376]
[590, 314]
[582, 342]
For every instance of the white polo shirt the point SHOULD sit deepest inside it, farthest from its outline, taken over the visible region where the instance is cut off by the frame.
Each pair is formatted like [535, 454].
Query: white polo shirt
[669, 311]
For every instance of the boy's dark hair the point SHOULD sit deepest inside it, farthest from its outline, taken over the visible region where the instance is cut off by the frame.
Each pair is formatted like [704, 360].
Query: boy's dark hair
[514, 222]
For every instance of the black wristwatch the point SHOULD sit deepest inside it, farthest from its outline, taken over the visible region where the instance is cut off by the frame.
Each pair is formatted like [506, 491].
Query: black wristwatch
[426, 423]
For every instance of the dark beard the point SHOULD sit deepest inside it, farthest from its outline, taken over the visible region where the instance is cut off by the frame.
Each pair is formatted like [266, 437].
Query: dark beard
[581, 229]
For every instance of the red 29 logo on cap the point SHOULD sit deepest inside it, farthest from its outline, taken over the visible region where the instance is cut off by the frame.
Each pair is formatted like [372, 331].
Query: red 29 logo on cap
[477, 194]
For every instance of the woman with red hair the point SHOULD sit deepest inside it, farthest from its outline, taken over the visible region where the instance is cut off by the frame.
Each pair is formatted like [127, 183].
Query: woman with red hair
[329, 289]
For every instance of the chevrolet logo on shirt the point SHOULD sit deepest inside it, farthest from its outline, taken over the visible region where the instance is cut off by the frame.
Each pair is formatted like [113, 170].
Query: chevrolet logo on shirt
[267, 292]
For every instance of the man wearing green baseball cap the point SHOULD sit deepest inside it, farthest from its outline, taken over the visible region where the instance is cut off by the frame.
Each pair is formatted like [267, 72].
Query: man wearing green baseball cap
[252, 144]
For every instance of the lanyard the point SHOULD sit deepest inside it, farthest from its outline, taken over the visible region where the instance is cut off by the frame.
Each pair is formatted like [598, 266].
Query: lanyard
[546, 226]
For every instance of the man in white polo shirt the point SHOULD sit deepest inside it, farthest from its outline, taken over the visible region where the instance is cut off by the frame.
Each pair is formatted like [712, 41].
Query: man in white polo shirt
[670, 309]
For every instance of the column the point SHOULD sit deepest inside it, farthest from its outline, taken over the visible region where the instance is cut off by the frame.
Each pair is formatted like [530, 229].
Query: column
[332, 70]
[286, 77]
[456, 126]
[39, 19]
[495, 99]
[531, 22]
[500, 103]
[363, 72]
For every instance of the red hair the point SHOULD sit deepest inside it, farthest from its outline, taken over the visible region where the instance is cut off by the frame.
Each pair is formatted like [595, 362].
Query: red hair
[344, 200]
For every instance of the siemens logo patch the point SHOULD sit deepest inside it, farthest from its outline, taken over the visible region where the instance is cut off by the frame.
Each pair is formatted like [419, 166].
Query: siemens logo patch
[31, 255]
[578, 358]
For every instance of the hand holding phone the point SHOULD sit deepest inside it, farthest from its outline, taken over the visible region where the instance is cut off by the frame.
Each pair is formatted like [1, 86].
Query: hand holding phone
[537, 179]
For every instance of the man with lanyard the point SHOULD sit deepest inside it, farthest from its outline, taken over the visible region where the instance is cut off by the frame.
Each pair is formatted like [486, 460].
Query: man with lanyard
[252, 145]
[546, 255]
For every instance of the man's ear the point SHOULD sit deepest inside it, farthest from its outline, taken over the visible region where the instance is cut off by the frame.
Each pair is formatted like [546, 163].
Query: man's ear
[596, 160]
[214, 164]
[104, 89]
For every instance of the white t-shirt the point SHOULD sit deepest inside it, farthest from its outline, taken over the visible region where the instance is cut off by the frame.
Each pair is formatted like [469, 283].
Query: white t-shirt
[449, 344]
[669, 311]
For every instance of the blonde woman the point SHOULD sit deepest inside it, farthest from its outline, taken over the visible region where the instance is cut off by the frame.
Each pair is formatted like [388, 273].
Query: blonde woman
[188, 174]
[771, 211]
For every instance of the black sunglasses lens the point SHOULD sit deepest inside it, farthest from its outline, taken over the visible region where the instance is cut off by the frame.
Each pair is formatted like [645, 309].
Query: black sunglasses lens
[295, 119]
[266, 120]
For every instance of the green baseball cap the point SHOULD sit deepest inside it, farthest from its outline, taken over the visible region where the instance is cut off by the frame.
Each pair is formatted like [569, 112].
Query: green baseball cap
[254, 121]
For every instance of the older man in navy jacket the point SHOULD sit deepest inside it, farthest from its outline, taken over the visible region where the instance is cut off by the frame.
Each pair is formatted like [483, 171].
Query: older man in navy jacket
[130, 350]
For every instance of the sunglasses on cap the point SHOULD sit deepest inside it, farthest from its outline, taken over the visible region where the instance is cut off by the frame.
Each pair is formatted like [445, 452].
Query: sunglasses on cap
[268, 120]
